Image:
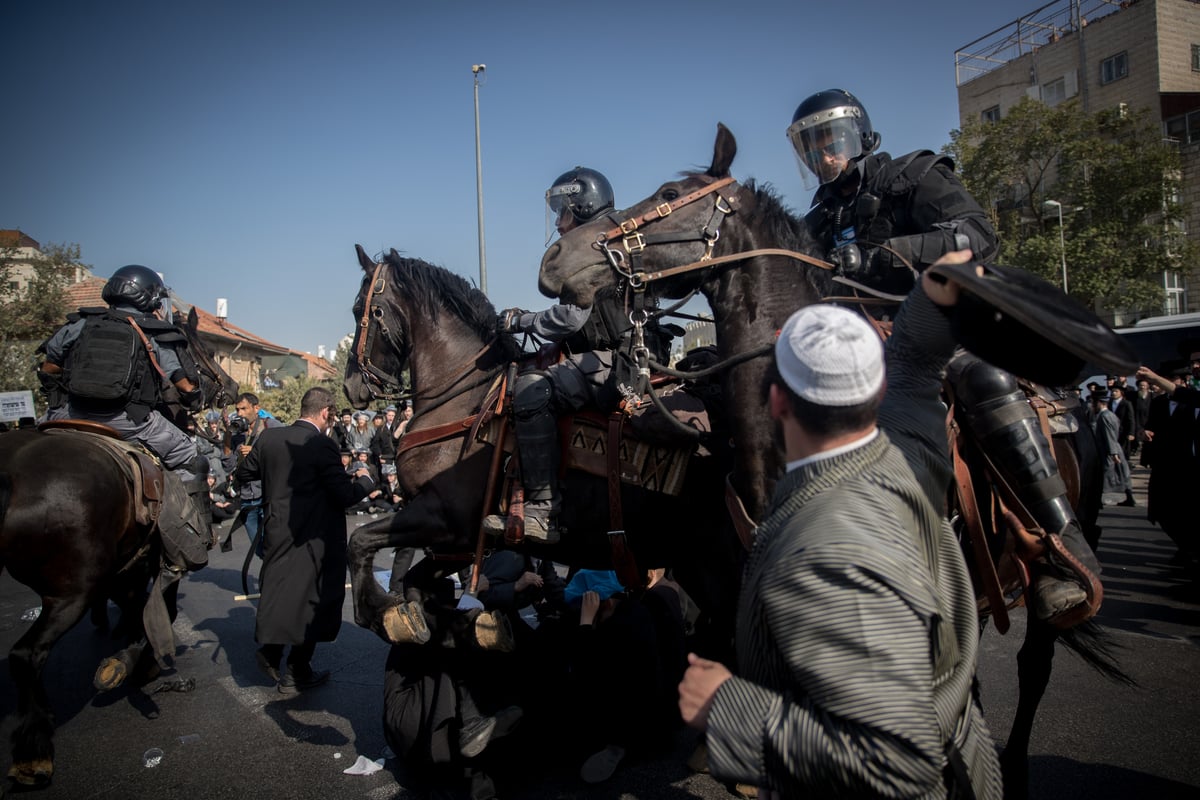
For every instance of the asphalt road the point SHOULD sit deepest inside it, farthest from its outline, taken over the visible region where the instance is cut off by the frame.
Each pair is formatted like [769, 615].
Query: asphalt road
[234, 736]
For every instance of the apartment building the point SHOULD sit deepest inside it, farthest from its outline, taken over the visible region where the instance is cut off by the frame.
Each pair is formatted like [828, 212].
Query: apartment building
[1132, 54]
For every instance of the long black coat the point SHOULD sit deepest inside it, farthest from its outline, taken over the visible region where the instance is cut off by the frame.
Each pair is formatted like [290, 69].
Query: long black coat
[305, 492]
[1174, 465]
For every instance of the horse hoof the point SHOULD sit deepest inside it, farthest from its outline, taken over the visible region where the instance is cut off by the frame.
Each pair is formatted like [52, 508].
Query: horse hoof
[111, 674]
[32, 773]
[405, 624]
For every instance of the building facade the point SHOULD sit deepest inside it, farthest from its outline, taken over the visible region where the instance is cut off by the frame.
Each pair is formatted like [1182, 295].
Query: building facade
[1132, 54]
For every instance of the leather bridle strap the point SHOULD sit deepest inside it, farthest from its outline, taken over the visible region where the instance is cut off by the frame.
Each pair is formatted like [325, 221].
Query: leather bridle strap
[648, 277]
[663, 210]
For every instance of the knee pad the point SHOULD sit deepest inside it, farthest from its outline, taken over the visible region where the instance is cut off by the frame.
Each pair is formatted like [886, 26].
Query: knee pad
[980, 385]
[532, 395]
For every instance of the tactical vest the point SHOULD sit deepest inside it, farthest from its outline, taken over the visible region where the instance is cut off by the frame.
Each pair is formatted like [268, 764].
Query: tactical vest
[608, 328]
[605, 327]
[878, 210]
[107, 366]
[107, 372]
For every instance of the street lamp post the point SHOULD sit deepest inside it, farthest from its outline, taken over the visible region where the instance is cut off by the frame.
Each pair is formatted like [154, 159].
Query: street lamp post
[1062, 241]
[476, 69]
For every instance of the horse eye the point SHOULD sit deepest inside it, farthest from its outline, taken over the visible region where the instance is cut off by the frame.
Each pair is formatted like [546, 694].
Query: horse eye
[670, 194]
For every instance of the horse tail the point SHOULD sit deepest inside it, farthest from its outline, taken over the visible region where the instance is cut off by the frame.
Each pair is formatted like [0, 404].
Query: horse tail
[5, 499]
[1098, 649]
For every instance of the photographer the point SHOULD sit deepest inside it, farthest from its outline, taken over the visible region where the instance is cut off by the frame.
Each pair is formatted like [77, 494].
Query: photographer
[246, 426]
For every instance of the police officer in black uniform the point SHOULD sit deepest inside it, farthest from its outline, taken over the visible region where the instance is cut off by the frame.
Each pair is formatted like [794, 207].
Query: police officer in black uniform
[885, 220]
[109, 363]
[590, 337]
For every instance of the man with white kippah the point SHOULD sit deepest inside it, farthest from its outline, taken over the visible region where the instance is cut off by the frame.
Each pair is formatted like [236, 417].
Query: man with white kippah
[857, 629]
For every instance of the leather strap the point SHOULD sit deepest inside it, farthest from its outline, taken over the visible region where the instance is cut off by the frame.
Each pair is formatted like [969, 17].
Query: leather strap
[623, 560]
[658, 212]
[743, 525]
[985, 568]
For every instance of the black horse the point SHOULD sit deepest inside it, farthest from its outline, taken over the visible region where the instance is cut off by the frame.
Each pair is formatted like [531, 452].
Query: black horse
[417, 316]
[69, 531]
[751, 259]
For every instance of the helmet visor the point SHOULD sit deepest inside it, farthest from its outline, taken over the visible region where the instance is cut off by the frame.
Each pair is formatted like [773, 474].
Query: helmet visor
[824, 150]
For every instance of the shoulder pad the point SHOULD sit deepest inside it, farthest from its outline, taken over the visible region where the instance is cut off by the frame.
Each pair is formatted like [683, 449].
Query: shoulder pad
[168, 336]
[152, 324]
[903, 173]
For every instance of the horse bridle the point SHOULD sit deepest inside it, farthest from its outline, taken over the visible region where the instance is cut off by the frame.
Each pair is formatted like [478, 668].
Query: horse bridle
[390, 387]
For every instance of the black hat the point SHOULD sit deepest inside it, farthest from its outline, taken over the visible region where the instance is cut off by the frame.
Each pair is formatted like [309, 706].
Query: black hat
[1023, 324]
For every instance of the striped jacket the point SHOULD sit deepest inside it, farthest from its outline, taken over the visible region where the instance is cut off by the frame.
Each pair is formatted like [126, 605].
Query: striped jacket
[857, 629]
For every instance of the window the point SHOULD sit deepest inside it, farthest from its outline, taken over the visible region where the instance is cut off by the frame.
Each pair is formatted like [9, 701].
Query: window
[1196, 58]
[1175, 298]
[1054, 92]
[1184, 129]
[1115, 67]
[990, 114]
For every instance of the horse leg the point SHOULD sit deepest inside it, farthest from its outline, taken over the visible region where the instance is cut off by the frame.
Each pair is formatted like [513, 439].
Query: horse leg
[33, 745]
[391, 618]
[138, 658]
[1034, 663]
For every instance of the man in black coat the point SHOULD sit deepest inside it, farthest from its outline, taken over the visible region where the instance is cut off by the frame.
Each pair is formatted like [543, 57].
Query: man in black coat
[303, 578]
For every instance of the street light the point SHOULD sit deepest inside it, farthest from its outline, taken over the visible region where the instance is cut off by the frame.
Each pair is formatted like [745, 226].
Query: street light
[476, 69]
[1062, 242]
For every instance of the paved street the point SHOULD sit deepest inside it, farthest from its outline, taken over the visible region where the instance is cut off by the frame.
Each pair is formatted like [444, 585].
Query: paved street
[236, 737]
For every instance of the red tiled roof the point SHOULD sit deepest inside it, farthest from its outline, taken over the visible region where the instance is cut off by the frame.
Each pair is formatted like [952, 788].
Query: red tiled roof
[18, 239]
[87, 293]
[322, 365]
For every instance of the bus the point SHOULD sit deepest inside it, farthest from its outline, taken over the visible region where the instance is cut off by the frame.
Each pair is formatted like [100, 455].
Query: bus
[1164, 344]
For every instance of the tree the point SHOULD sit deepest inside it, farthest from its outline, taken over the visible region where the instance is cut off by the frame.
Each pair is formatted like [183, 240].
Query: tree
[1118, 183]
[30, 315]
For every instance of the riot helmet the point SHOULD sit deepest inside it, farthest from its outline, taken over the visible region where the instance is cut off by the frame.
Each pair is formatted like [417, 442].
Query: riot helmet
[830, 131]
[583, 192]
[137, 286]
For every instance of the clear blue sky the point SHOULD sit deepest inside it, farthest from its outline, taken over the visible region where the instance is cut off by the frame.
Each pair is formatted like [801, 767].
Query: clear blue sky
[243, 148]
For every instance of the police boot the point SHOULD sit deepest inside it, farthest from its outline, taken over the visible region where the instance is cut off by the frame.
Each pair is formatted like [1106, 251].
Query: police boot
[184, 527]
[1009, 432]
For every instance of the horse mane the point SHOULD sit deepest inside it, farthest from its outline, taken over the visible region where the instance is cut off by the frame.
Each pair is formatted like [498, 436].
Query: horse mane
[434, 289]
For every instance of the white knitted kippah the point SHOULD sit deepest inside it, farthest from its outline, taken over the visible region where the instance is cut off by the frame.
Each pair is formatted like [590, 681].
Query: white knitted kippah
[830, 356]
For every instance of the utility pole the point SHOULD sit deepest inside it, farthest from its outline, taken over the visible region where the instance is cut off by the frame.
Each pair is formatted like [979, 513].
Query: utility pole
[476, 69]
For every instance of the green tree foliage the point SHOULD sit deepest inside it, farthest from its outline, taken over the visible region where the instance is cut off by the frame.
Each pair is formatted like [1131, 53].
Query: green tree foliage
[1118, 183]
[28, 316]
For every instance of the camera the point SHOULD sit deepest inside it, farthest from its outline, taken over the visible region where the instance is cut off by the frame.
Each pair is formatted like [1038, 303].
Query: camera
[238, 425]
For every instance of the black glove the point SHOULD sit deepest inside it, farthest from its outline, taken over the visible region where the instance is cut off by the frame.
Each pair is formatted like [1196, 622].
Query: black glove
[193, 400]
[509, 320]
[52, 388]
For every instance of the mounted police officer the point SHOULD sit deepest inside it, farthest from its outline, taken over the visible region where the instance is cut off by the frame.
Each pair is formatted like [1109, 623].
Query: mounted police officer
[883, 221]
[110, 363]
[591, 338]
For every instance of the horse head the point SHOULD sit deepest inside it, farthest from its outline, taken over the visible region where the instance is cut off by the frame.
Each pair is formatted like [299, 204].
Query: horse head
[412, 315]
[734, 242]
[216, 385]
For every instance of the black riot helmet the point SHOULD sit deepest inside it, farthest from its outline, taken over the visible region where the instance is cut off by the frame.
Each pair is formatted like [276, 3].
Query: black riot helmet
[582, 191]
[831, 123]
[135, 285]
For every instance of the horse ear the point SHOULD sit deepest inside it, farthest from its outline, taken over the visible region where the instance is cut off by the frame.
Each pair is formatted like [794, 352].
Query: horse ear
[364, 260]
[724, 149]
[193, 320]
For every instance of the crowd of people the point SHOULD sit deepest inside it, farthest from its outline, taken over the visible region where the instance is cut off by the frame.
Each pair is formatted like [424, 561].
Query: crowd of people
[857, 628]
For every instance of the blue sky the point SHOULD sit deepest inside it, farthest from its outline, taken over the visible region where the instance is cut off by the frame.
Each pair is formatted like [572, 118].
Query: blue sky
[243, 148]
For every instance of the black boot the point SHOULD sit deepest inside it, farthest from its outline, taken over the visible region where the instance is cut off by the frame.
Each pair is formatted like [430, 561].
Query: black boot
[1009, 432]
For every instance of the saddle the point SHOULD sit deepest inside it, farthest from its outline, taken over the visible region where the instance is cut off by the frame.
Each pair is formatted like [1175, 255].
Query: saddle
[143, 470]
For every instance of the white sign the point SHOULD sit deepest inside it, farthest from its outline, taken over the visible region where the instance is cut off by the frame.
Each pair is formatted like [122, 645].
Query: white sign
[14, 405]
